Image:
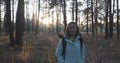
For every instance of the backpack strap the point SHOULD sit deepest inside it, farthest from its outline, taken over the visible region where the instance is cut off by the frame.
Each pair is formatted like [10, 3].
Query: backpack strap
[64, 45]
[81, 42]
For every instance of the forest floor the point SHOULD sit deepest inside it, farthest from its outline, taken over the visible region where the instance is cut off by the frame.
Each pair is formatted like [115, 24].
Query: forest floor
[41, 49]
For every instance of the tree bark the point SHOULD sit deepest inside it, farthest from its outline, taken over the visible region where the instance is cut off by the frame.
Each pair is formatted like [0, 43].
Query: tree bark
[87, 19]
[76, 20]
[92, 18]
[9, 24]
[0, 18]
[111, 20]
[96, 17]
[64, 13]
[118, 25]
[106, 19]
[20, 22]
[73, 5]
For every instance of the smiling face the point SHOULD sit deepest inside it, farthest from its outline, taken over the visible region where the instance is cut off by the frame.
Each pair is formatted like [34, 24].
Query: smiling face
[72, 29]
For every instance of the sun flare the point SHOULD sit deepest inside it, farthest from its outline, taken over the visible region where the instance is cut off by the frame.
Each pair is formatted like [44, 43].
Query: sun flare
[47, 21]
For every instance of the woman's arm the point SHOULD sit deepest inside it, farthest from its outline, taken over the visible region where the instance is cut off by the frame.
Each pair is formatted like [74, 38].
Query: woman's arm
[83, 52]
[59, 51]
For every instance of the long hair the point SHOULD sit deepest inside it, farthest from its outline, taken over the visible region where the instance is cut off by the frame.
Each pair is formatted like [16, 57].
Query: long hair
[67, 31]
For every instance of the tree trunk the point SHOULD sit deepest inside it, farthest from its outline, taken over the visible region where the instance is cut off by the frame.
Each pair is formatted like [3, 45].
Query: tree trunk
[101, 26]
[73, 10]
[58, 21]
[96, 16]
[9, 24]
[13, 11]
[118, 25]
[0, 18]
[38, 15]
[26, 17]
[76, 12]
[92, 18]
[37, 22]
[20, 22]
[87, 18]
[64, 13]
[111, 20]
[106, 19]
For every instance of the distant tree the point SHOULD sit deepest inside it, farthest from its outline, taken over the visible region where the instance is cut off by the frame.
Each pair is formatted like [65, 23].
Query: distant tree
[87, 13]
[73, 10]
[0, 18]
[37, 22]
[63, 6]
[52, 22]
[27, 23]
[92, 14]
[13, 10]
[64, 14]
[118, 25]
[106, 19]
[20, 22]
[57, 23]
[76, 7]
[110, 18]
[96, 16]
[87, 18]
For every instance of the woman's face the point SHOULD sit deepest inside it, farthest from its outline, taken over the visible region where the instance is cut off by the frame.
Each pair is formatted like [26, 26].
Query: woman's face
[72, 29]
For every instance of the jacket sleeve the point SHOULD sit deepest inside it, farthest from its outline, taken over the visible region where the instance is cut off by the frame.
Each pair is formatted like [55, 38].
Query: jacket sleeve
[59, 51]
[83, 53]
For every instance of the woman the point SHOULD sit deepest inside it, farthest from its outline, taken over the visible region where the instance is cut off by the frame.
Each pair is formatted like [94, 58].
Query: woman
[74, 51]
